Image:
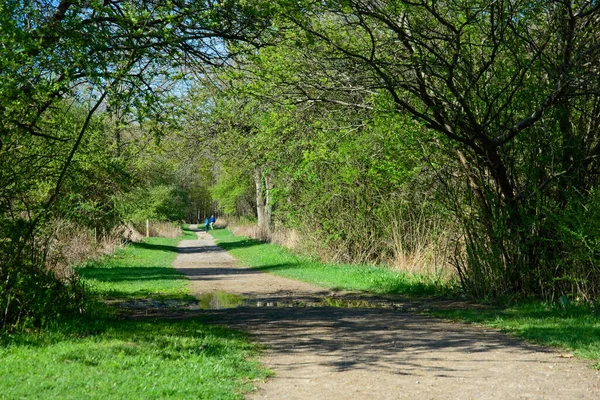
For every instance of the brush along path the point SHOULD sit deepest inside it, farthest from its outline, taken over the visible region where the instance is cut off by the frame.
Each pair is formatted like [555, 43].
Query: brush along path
[375, 353]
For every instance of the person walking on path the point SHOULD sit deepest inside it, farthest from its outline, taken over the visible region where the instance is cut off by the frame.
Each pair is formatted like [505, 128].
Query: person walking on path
[212, 222]
[206, 224]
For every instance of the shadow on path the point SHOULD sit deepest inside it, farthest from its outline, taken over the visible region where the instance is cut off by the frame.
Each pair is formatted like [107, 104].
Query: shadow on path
[131, 274]
[369, 338]
[179, 250]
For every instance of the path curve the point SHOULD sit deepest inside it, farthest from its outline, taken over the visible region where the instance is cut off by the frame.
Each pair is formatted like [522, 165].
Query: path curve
[341, 353]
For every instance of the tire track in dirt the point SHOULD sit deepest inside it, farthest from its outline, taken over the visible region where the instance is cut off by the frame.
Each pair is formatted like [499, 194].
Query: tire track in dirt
[358, 353]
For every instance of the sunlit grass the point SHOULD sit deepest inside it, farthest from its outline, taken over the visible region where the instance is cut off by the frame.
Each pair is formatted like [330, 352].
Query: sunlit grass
[573, 329]
[100, 355]
[121, 359]
[141, 270]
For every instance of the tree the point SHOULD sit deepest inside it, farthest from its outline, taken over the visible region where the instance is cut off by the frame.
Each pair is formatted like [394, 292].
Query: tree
[513, 89]
[341, 178]
[242, 136]
[62, 64]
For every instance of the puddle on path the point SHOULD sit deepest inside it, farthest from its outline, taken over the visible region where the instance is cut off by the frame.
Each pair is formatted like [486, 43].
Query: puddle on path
[219, 300]
[222, 300]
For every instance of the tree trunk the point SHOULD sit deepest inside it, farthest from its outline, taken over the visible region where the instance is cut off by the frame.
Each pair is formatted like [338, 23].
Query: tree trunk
[264, 209]
[268, 181]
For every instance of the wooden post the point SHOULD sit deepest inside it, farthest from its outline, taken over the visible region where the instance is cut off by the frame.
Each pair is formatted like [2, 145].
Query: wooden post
[147, 228]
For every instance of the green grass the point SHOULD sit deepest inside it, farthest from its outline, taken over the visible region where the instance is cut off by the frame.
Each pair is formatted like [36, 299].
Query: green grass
[279, 261]
[573, 329]
[142, 270]
[121, 359]
[100, 355]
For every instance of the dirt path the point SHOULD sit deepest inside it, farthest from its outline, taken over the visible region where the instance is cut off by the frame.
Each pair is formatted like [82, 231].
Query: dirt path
[367, 353]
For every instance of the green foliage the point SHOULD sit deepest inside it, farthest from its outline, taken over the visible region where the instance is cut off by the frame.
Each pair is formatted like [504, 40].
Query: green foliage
[76, 80]
[32, 296]
[340, 178]
[500, 142]
[157, 203]
[556, 242]
[172, 181]
[96, 176]
[351, 184]
[234, 191]
[349, 121]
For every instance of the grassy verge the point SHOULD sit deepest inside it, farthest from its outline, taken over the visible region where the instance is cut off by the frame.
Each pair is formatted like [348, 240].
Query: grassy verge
[142, 270]
[100, 355]
[574, 329]
[279, 261]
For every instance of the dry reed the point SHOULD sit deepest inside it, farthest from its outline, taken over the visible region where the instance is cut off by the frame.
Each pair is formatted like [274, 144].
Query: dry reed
[421, 245]
[288, 238]
[70, 245]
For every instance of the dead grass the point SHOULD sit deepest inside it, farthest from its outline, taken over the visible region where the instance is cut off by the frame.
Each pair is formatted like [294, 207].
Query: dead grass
[423, 256]
[221, 222]
[160, 229]
[165, 229]
[129, 233]
[413, 244]
[71, 245]
[420, 245]
[288, 238]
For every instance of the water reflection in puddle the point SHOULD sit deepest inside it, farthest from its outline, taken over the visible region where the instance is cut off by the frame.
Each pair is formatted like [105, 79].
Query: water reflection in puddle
[222, 300]
[219, 300]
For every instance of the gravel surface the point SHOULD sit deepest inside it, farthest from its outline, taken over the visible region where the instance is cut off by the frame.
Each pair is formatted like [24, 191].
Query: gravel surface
[373, 353]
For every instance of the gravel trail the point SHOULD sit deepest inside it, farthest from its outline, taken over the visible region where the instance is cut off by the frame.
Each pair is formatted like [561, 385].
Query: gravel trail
[374, 353]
